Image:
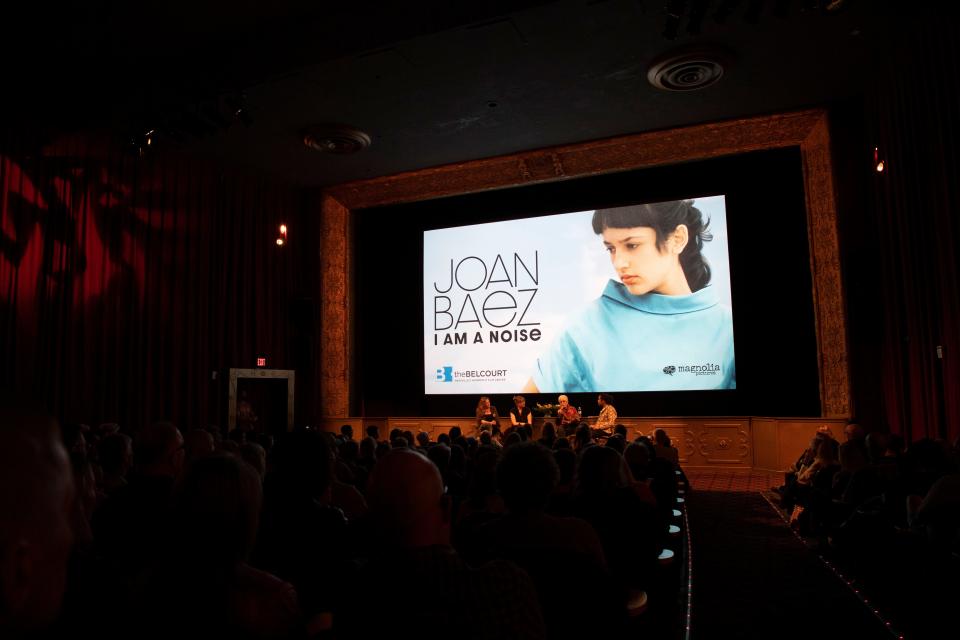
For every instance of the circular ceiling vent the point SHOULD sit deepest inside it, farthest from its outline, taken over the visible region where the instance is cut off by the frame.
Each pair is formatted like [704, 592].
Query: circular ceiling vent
[336, 138]
[688, 69]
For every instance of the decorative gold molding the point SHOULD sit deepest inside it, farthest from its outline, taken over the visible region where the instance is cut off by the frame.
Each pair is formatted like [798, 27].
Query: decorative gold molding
[828, 297]
[336, 328]
[807, 130]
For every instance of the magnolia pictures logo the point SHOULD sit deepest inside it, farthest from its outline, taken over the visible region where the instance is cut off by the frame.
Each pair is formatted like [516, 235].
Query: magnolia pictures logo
[445, 374]
[710, 369]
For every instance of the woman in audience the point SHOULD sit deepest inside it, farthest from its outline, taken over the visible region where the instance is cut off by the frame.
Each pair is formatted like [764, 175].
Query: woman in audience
[630, 528]
[563, 555]
[582, 438]
[664, 448]
[549, 435]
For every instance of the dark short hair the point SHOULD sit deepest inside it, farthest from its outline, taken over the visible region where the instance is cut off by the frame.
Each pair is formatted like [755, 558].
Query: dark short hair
[607, 398]
[664, 218]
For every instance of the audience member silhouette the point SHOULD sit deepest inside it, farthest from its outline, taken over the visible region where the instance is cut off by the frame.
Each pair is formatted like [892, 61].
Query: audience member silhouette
[202, 585]
[433, 593]
[132, 524]
[302, 537]
[36, 502]
[563, 555]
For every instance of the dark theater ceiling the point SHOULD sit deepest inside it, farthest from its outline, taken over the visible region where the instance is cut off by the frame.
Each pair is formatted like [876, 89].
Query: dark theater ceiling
[430, 82]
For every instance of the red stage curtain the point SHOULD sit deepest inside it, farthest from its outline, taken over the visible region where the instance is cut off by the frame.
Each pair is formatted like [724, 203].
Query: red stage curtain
[915, 120]
[126, 281]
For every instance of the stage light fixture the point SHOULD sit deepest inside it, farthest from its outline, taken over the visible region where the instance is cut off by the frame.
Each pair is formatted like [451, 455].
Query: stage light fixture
[279, 242]
[878, 162]
[283, 229]
[141, 142]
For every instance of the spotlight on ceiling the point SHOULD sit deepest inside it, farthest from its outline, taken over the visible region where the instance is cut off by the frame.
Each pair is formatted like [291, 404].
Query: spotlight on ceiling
[339, 139]
[689, 69]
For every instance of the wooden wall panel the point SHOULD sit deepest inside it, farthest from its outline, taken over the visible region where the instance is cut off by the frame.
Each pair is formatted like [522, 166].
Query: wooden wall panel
[766, 444]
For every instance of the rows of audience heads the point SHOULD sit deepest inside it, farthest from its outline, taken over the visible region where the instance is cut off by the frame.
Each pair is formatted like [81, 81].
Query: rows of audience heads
[867, 495]
[158, 531]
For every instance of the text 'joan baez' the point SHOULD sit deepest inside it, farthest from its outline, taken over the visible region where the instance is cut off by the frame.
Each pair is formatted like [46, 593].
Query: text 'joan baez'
[490, 300]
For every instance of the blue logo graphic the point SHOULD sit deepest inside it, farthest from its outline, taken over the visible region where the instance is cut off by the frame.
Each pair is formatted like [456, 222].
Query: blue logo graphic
[445, 374]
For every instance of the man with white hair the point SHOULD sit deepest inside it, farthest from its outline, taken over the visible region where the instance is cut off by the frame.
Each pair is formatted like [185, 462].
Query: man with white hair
[568, 416]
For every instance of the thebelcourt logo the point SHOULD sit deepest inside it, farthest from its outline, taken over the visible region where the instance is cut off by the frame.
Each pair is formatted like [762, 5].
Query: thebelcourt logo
[696, 369]
[447, 374]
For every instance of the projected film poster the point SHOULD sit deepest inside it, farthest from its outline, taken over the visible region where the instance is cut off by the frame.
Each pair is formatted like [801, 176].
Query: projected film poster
[633, 298]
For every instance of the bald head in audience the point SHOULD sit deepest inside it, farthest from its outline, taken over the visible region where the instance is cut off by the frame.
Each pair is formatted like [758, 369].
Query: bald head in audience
[36, 497]
[158, 450]
[199, 444]
[406, 498]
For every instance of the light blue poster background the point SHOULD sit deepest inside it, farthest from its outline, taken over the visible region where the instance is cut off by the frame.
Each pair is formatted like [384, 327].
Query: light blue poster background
[571, 267]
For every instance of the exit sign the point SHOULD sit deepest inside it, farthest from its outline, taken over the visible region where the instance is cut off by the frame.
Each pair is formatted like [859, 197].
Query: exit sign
[261, 362]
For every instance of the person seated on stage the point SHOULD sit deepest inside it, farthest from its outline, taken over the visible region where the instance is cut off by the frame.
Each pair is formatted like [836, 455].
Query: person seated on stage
[568, 416]
[487, 416]
[520, 414]
[608, 416]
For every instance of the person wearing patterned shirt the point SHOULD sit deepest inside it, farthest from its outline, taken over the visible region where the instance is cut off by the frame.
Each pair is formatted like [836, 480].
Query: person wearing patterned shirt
[608, 416]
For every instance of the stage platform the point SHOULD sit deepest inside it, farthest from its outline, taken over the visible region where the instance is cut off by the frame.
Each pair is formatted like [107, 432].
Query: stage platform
[753, 442]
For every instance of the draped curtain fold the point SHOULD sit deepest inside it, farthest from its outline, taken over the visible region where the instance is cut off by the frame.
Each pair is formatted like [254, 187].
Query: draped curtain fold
[126, 282]
[914, 117]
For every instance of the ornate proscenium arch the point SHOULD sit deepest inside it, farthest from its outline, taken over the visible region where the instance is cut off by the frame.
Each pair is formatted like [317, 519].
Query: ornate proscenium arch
[807, 130]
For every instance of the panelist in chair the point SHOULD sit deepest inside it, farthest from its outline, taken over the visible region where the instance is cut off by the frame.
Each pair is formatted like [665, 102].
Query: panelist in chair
[608, 416]
[487, 417]
[520, 414]
[567, 416]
